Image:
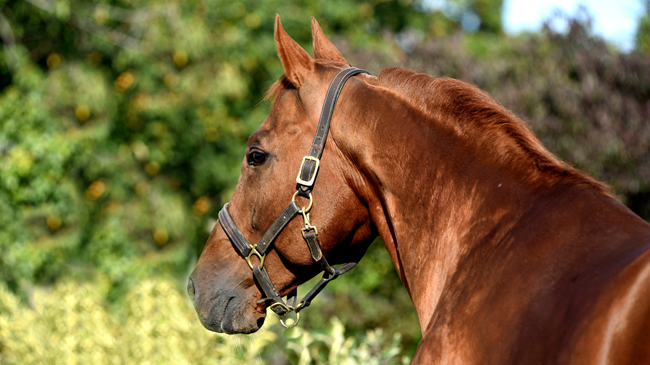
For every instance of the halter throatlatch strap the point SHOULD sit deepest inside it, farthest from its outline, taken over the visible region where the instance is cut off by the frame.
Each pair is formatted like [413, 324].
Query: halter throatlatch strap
[305, 180]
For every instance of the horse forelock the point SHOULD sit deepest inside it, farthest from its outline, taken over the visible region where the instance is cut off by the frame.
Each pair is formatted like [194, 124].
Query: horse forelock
[473, 113]
[277, 88]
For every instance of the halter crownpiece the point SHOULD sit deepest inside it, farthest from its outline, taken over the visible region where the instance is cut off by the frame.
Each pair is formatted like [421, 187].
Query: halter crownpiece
[305, 184]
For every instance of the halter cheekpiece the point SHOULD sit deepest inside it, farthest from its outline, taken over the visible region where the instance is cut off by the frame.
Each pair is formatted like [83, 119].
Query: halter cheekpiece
[305, 183]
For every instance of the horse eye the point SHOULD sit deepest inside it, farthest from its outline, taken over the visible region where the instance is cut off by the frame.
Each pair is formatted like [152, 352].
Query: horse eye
[256, 158]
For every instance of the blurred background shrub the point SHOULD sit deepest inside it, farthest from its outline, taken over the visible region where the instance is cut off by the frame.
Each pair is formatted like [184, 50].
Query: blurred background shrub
[122, 130]
[73, 324]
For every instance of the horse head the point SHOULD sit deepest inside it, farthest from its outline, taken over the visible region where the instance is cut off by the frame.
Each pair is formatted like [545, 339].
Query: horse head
[228, 297]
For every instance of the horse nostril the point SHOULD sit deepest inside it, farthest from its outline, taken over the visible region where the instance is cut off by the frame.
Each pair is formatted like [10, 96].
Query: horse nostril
[190, 289]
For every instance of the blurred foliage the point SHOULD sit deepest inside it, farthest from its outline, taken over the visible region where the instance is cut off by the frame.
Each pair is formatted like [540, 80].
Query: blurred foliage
[73, 324]
[332, 347]
[122, 129]
[123, 124]
[642, 36]
[588, 103]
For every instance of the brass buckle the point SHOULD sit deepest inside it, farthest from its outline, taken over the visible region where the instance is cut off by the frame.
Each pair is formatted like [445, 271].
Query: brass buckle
[256, 253]
[309, 182]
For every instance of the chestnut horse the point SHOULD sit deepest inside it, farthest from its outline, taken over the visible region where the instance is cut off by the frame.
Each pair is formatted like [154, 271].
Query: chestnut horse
[509, 255]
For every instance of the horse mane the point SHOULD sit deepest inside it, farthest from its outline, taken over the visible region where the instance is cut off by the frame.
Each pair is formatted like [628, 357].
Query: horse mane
[472, 112]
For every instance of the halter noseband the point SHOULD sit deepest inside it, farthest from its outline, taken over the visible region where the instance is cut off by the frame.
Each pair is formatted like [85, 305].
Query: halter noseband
[305, 180]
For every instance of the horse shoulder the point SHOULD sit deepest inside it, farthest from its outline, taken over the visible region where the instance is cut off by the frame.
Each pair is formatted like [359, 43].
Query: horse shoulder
[603, 317]
[617, 331]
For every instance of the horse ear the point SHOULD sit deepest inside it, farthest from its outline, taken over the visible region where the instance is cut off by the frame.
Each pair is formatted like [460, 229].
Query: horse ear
[296, 61]
[323, 48]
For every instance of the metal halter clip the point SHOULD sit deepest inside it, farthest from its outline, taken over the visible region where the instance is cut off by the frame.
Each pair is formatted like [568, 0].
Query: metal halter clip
[256, 253]
[309, 182]
[308, 226]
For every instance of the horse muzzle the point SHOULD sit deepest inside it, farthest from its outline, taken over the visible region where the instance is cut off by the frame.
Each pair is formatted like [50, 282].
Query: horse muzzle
[225, 310]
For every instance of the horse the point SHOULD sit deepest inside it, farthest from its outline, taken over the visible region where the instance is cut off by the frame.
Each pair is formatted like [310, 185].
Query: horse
[509, 255]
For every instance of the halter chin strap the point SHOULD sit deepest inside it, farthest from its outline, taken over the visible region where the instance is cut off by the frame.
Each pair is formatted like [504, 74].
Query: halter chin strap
[305, 183]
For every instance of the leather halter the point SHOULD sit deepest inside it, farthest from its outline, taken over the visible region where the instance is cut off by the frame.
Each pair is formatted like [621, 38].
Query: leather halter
[305, 180]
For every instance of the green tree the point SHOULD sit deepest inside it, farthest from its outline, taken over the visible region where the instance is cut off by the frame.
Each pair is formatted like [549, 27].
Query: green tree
[123, 123]
[642, 35]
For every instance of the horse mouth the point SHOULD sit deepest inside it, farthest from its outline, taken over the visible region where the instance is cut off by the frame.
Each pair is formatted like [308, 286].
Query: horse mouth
[229, 316]
[218, 318]
[229, 324]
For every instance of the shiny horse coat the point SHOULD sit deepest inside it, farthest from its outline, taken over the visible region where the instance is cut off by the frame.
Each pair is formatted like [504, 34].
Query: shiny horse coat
[509, 255]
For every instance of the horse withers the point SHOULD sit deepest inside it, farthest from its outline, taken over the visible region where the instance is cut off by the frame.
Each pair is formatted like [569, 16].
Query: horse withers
[509, 255]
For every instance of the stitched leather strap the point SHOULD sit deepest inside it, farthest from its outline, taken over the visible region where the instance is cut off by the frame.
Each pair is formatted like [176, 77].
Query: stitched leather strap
[322, 283]
[318, 145]
[268, 289]
[242, 244]
[311, 238]
[314, 246]
[234, 234]
[290, 212]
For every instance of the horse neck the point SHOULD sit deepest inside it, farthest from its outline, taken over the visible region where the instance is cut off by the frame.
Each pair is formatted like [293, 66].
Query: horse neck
[433, 194]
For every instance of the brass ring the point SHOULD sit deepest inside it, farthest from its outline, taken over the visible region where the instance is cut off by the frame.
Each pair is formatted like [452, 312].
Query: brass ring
[303, 209]
[289, 309]
[290, 325]
[256, 253]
